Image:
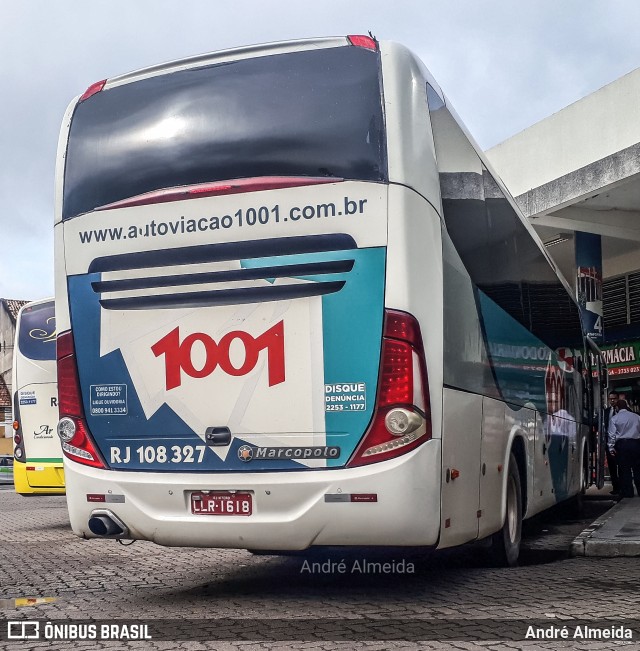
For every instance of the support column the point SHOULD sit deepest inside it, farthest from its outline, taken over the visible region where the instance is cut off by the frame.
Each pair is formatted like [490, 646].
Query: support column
[588, 250]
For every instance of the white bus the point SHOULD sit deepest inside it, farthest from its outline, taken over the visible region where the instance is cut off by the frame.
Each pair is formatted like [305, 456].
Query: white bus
[37, 468]
[296, 308]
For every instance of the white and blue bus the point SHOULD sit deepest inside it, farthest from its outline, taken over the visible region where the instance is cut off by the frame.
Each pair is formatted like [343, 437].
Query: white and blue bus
[296, 308]
[37, 467]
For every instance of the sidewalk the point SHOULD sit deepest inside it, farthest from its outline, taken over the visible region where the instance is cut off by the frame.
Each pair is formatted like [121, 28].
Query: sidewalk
[616, 533]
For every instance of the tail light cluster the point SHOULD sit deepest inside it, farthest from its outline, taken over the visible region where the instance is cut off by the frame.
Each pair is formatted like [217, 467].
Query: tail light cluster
[77, 443]
[92, 90]
[367, 42]
[19, 453]
[401, 420]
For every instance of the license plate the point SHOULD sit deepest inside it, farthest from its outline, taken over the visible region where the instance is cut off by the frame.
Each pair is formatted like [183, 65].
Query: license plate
[221, 503]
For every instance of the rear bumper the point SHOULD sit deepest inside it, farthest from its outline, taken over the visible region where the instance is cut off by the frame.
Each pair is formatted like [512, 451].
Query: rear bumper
[45, 479]
[290, 510]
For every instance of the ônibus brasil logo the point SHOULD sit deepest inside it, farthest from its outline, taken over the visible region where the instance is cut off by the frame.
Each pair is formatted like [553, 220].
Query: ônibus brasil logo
[178, 354]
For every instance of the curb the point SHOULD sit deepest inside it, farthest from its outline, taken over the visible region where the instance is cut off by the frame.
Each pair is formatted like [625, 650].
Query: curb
[593, 541]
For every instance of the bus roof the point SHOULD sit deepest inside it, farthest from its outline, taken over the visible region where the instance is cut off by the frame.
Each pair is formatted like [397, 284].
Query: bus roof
[232, 54]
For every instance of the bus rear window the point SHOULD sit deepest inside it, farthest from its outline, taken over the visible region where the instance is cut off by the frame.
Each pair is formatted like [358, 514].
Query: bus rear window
[37, 335]
[310, 113]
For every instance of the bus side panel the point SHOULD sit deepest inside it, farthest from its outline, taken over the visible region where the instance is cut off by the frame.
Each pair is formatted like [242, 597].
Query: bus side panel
[461, 438]
[501, 424]
[414, 280]
[529, 322]
[575, 452]
[542, 496]
[491, 467]
[410, 148]
[63, 318]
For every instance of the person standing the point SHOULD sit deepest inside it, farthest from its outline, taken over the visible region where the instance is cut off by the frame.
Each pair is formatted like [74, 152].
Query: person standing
[612, 462]
[624, 444]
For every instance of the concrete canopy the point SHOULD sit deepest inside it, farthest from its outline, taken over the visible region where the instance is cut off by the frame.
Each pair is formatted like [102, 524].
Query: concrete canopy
[579, 170]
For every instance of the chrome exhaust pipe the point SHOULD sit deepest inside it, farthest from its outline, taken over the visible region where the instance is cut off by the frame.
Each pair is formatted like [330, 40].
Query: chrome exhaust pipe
[106, 524]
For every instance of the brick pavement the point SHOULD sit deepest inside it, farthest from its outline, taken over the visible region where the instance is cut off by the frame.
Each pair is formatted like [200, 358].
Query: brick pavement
[249, 594]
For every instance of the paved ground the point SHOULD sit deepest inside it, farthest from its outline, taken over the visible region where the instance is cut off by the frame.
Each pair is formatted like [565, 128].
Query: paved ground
[288, 602]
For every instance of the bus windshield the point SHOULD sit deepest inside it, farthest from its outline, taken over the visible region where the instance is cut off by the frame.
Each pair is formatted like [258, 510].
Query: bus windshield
[37, 336]
[313, 113]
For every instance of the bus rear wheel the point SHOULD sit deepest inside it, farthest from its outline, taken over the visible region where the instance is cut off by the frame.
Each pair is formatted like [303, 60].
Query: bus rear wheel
[505, 544]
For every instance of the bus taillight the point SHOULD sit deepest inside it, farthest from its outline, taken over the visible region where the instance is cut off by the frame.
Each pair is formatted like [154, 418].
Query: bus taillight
[19, 452]
[401, 419]
[92, 90]
[77, 443]
[366, 42]
[69, 400]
